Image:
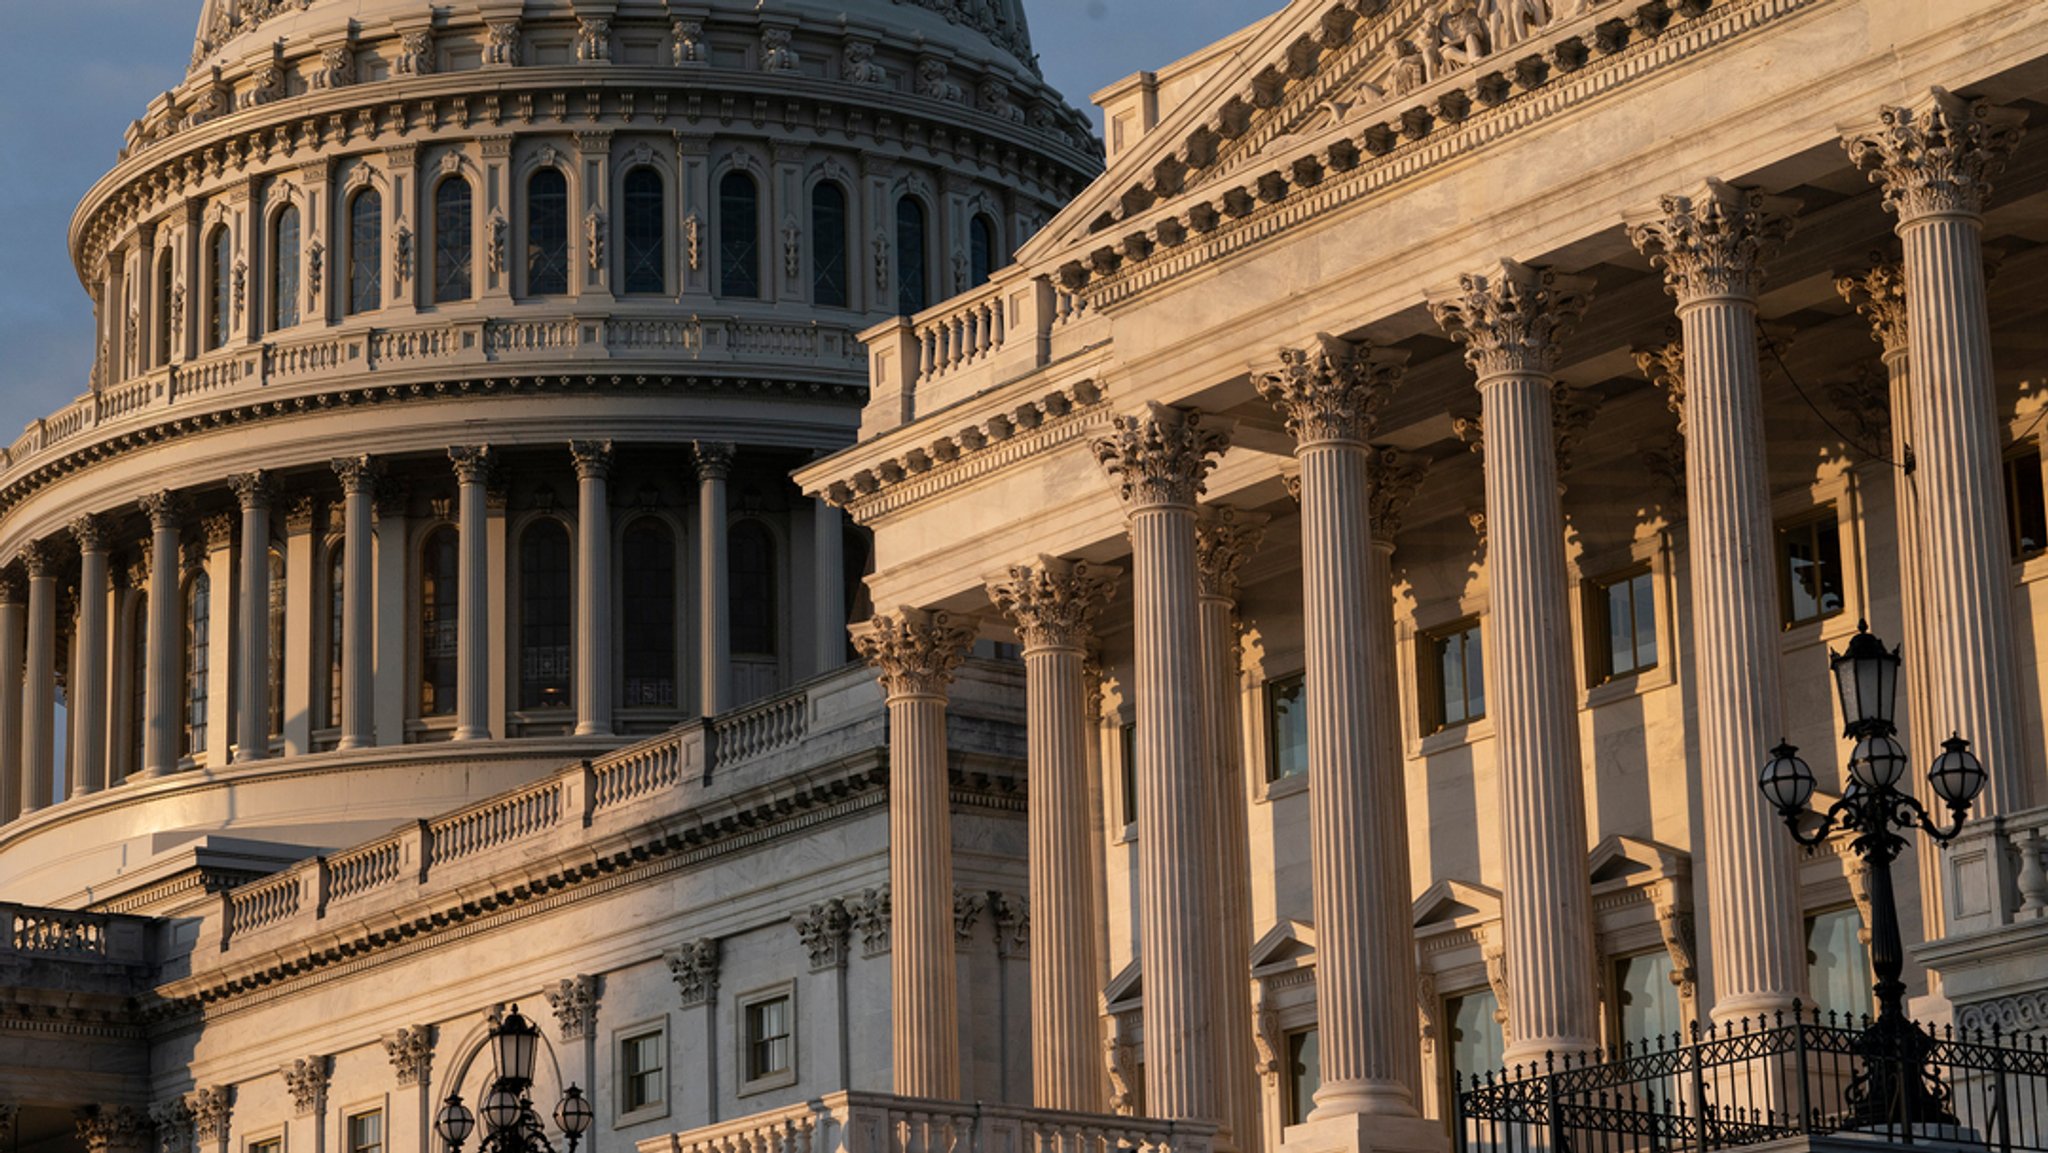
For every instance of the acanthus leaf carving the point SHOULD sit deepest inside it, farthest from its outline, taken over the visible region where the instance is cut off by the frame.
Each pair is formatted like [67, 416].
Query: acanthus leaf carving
[575, 1002]
[1714, 241]
[1937, 158]
[871, 918]
[1512, 318]
[1053, 603]
[306, 1080]
[1161, 457]
[914, 651]
[411, 1050]
[694, 967]
[1331, 391]
[825, 929]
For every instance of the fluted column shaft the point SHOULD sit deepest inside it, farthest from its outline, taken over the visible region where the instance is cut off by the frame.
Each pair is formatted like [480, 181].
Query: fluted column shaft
[252, 667]
[473, 624]
[714, 625]
[39, 682]
[358, 628]
[593, 589]
[13, 652]
[88, 681]
[165, 654]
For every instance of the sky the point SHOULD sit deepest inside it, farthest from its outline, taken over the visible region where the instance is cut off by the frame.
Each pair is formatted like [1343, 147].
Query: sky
[74, 73]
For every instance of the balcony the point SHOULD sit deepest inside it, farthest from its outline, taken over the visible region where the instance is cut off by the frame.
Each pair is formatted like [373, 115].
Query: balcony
[883, 1123]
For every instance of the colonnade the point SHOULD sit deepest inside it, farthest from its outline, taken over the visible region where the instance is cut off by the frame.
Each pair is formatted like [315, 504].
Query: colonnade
[1713, 245]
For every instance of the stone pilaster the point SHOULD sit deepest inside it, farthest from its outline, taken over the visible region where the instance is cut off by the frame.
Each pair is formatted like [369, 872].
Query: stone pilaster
[473, 624]
[13, 652]
[88, 703]
[1711, 245]
[254, 491]
[1053, 604]
[593, 588]
[915, 652]
[714, 627]
[358, 476]
[161, 697]
[39, 678]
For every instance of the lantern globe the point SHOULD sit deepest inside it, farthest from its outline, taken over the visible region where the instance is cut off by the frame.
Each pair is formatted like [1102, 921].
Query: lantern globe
[1957, 776]
[1786, 780]
[1877, 762]
[517, 1040]
[501, 1109]
[1867, 680]
[574, 1114]
[454, 1123]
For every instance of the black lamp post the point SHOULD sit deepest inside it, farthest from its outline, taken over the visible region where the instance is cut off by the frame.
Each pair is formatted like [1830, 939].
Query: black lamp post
[510, 1124]
[1896, 1084]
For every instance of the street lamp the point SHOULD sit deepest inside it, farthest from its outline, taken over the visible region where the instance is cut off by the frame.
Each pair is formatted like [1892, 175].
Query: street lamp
[510, 1123]
[1896, 1084]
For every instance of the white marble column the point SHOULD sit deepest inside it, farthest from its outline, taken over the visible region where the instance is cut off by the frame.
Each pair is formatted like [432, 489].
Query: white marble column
[828, 566]
[1052, 604]
[1224, 538]
[714, 624]
[13, 652]
[1160, 459]
[88, 681]
[1330, 394]
[1935, 161]
[473, 624]
[39, 679]
[914, 654]
[164, 655]
[593, 588]
[358, 476]
[1511, 319]
[253, 491]
[1710, 245]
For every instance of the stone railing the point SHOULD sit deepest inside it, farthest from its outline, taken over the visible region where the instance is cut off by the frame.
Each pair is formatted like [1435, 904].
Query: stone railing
[882, 1123]
[967, 330]
[499, 821]
[68, 935]
[1999, 872]
[760, 729]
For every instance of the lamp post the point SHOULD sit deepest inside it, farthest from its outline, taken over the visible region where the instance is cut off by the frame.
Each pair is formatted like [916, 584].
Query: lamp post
[510, 1124]
[1896, 1084]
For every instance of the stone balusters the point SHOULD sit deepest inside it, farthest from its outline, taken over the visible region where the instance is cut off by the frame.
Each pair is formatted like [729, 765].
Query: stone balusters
[1711, 245]
[915, 653]
[1511, 320]
[14, 785]
[714, 626]
[254, 492]
[1935, 161]
[88, 680]
[358, 476]
[161, 696]
[473, 628]
[1052, 604]
[593, 588]
[1160, 459]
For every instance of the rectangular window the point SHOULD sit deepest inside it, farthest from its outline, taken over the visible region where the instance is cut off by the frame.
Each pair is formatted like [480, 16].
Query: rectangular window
[770, 1039]
[1837, 968]
[643, 1082]
[2026, 509]
[1286, 728]
[1475, 1041]
[1127, 746]
[1810, 568]
[1453, 676]
[1621, 619]
[1646, 1007]
[366, 1133]
[266, 1145]
[1304, 1074]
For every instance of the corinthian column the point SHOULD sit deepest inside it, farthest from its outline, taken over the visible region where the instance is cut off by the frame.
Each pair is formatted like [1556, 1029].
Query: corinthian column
[1936, 161]
[473, 625]
[89, 754]
[1161, 459]
[1330, 395]
[593, 588]
[39, 680]
[1224, 537]
[161, 696]
[358, 680]
[714, 625]
[915, 652]
[13, 644]
[252, 667]
[1053, 605]
[1711, 245]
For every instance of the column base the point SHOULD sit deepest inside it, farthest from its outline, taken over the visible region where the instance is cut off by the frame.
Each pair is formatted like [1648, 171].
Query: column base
[594, 730]
[1366, 1133]
[350, 744]
[472, 735]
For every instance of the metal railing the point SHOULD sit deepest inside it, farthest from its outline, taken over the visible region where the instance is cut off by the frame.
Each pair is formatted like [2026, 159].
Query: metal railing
[1742, 1083]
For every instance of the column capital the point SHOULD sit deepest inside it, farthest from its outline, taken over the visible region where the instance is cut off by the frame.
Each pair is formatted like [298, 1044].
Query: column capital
[1392, 477]
[113, 1128]
[1663, 365]
[358, 474]
[39, 557]
[1224, 538]
[593, 458]
[163, 509]
[1571, 414]
[1161, 456]
[91, 531]
[301, 513]
[913, 651]
[210, 1107]
[714, 458]
[1714, 240]
[307, 1078]
[1936, 158]
[1878, 293]
[1053, 602]
[254, 489]
[1332, 390]
[1512, 318]
[472, 462]
[13, 590]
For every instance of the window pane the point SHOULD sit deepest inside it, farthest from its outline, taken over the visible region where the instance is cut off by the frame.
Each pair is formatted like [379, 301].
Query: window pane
[365, 251]
[982, 251]
[547, 233]
[274, 646]
[1811, 556]
[2024, 501]
[164, 276]
[335, 600]
[1286, 728]
[640, 1062]
[1642, 593]
[138, 679]
[1304, 1074]
[828, 246]
[910, 257]
[645, 246]
[546, 616]
[1621, 619]
[768, 1040]
[222, 275]
[739, 229]
[649, 577]
[1127, 739]
[751, 565]
[198, 624]
[1475, 1041]
[440, 611]
[366, 1133]
[1837, 968]
[284, 274]
[1475, 675]
[1645, 1001]
[452, 240]
[1451, 676]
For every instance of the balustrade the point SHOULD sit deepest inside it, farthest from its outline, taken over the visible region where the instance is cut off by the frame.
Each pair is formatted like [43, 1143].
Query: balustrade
[882, 1123]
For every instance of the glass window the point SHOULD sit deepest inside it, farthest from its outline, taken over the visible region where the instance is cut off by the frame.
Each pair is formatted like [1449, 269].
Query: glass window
[642, 1078]
[1837, 967]
[981, 250]
[274, 645]
[138, 679]
[648, 573]
[1304, 1074]
[1454, 677]
[440, 610]
[284, 269]
[337, 588]
[1621, 615]
[547, 232]
[366, 1133]
[1286, 728]
[267, 1145]
[365, 251]
[165, 276]
[828, 246]
[1475, 1042]
[1810, 568]
[646, 239]
[751, 561]
[546, 616]
[1127, 745]
[739, 236]
[1646, 1005]
[220, 274]
[911, 295]
[198, 624]
[453, 240]
[769, 1052]
[2026, 510]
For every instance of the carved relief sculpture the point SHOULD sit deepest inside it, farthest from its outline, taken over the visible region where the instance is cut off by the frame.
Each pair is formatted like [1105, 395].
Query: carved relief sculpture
[776, 53]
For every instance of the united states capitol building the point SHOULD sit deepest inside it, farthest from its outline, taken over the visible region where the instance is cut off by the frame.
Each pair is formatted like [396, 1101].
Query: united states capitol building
[887, 623]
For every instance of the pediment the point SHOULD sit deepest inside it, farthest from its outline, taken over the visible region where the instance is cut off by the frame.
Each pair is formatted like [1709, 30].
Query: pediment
[1632, 860]
[1288, 944]
[1448, 902]
[1125, 989]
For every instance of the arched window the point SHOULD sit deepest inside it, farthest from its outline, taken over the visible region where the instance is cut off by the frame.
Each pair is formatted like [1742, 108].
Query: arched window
[648, 574]
[646, 237]
[365, 251]
[751, 561]
[165, 274]
[546, 616]
[739, 236]
[138, 678]
[910, 261]
[198, 624]
[274, 679]
[440, 573]
[284, 269]
[451, 240]
[337, 587]
[828, 245]
[981, 250]
[547, 232]
[220, 272]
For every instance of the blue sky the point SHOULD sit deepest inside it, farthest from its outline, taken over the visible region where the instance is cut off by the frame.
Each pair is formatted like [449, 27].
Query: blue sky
[73, 73]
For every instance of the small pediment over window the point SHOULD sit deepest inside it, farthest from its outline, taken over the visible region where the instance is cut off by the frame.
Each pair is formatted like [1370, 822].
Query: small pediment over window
[1449, 903]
